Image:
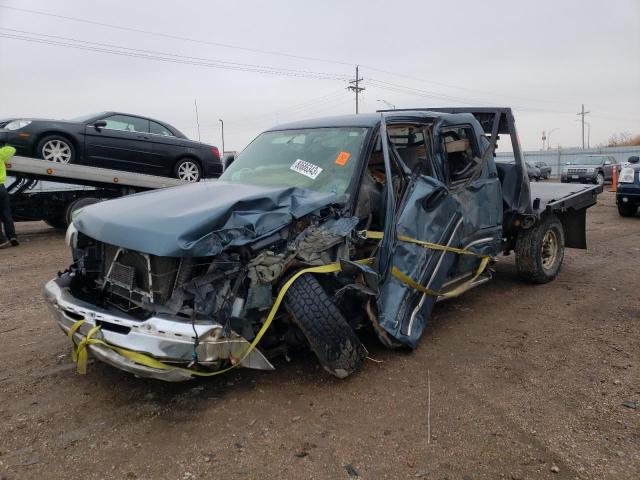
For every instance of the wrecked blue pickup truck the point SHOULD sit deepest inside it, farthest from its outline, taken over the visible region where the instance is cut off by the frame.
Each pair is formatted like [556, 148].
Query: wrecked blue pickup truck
[319, 229]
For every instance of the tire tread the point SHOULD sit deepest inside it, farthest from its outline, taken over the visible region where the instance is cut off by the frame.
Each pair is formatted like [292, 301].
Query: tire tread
[334, 342]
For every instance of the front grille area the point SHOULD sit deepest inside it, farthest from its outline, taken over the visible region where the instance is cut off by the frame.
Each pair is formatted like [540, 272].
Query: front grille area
[576, 171]
[135, 276]
[122, 275]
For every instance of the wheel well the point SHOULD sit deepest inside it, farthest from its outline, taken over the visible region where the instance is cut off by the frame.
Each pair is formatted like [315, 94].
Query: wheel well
[73, 142]
[188, 157]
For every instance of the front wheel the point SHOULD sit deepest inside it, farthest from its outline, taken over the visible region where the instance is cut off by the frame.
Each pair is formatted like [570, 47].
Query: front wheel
[627, 210]
[56, 148]
[540, 250]
[600, 179]
[330, 336]
[188, 170]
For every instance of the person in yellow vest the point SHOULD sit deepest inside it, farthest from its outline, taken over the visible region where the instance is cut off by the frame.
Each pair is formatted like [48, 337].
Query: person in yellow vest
[5, 209]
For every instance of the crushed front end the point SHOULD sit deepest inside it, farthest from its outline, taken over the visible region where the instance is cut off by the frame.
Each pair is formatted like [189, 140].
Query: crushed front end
[196, 315]
[176, 310]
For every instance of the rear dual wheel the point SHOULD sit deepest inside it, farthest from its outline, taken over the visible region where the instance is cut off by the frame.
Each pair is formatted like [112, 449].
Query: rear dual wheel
[540, 250]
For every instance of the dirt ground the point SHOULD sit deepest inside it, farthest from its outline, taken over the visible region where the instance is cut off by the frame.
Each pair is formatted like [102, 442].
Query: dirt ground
[526, 382]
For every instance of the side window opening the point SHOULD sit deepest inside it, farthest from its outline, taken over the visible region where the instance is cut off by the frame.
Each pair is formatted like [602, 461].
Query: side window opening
[370, 206]
[158, 129]
[127, 124]
[410, 141]
[461, 159]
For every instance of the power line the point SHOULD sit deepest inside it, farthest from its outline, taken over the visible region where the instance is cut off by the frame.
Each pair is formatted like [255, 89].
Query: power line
[175, 37]
[163, 56]
[294, 109]
[458, 87]
[262, 51]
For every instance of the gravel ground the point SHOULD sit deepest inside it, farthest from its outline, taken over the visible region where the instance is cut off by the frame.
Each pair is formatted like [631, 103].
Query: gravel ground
[525, 382]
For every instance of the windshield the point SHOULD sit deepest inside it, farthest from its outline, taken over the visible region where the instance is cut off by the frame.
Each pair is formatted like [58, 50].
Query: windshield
[587, 161]
[320, 159]
[84, 118]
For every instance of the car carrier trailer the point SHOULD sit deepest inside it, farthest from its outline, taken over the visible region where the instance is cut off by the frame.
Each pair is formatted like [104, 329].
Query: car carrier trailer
[51, 192]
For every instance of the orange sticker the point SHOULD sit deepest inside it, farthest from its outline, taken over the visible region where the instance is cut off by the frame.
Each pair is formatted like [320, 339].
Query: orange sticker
[342, 158]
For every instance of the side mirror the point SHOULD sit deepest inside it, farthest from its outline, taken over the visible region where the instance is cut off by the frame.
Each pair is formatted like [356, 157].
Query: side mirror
[99, 124]
[607, 162]
[634, 159]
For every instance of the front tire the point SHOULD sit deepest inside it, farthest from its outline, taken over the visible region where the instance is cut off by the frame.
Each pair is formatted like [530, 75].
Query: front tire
[600, 179]
[57, 149]
[627, 210]
[334, 342]
[540, 250]
[188, 170]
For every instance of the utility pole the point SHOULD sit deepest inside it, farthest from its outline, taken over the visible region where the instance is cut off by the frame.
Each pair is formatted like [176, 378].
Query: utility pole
[222, 125]
[195, 102]
[588, 134]
[582, 114]
[354, 85]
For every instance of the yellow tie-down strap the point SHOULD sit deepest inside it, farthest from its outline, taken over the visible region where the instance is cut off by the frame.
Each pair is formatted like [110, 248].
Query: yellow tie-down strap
[79, 353]
[407, 280]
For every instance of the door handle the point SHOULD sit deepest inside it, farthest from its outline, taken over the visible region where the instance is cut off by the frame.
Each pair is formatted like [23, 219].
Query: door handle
[144, 137]
[432, 200]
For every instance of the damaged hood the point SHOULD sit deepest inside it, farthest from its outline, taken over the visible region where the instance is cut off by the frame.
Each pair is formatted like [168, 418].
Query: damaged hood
[198, 220]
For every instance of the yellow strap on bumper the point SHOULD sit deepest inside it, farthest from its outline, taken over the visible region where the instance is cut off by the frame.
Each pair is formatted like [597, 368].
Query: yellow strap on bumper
[79, 353]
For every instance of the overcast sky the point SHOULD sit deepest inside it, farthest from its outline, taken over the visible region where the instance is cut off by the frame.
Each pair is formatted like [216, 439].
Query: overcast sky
[544, 58]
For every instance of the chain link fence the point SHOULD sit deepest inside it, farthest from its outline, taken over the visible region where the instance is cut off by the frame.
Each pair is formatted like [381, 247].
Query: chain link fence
[556, 158]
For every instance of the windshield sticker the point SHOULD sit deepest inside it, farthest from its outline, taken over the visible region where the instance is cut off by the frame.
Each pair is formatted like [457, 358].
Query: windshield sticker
[307, 169]
[342, 158]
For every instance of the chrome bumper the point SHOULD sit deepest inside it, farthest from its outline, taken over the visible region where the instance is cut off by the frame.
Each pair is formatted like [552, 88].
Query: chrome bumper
[165, 338]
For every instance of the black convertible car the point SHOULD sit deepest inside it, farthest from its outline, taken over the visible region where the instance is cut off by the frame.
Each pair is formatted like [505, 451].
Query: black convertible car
[114, 140]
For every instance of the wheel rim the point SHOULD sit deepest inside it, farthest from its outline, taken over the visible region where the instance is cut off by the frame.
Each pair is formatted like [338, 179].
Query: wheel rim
[189, 172]
[600, 179]
[549, 250]
[56, 151]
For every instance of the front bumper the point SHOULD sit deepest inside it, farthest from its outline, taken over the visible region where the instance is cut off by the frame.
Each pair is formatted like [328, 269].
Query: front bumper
[164, 338]
[578, 178]
[212, 168]
[628, 193]
[22, 145]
